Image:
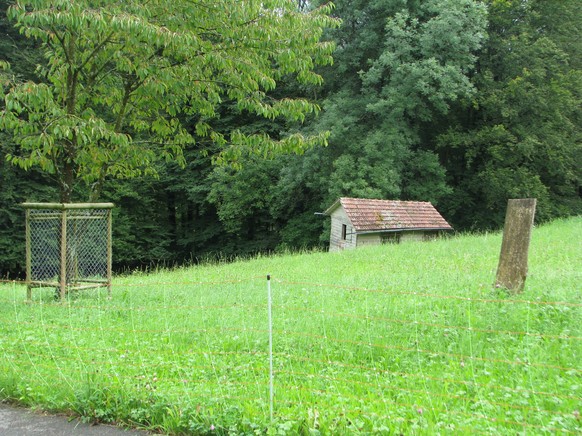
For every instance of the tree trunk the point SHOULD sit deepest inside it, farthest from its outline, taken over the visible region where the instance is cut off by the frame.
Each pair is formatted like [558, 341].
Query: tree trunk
[67, 181]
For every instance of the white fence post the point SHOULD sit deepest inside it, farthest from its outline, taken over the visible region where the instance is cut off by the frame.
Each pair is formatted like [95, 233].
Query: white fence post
[270, 303]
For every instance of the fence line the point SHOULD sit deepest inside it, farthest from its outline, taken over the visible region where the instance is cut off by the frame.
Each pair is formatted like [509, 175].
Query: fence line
[417, 391]
[425, 294]
[326, 393]
[340, 341]
[306, 359]
[432, 352]
[50, 335]
[419, 410]
[437, 379]
[443, 326]
[331, 286]
[160, 308]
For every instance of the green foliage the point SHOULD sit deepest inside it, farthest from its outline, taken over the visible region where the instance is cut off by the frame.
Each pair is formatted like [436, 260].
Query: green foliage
[427, 55]
[522, 136]
[117, 76]
[241, 196]
[378, 145]
[400, 66]
[461, 103]
[16, 187]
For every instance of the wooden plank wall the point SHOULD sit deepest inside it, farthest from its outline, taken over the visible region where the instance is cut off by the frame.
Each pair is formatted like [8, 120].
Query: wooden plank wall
[339, 218]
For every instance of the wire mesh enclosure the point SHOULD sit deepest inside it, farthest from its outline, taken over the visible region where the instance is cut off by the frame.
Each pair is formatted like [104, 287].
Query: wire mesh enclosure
[68, 246]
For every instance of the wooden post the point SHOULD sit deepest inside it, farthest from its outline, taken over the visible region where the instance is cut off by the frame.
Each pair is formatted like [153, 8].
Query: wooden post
[512, 268]
[64, 269]
[28, 258]
[109, 252]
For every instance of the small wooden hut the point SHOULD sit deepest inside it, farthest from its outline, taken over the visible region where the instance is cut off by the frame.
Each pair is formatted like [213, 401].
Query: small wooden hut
[357, 221]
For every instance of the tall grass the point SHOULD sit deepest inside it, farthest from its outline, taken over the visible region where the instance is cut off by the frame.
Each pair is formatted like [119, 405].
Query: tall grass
[408, 338]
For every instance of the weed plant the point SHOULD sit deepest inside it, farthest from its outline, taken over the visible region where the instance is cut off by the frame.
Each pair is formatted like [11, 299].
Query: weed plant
[394, 339]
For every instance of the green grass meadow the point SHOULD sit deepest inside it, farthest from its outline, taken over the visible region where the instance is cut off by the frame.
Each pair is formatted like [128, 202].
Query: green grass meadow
[394, 339]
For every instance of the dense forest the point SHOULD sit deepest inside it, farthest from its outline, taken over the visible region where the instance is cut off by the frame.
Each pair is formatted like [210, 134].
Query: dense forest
[462, 103]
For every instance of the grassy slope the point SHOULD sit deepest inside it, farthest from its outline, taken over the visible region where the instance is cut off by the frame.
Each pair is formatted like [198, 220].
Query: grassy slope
[401, 338]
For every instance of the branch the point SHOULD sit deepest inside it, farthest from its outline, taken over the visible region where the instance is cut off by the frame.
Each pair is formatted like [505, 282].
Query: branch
[121, 114]
[95, 50]
[62, 42]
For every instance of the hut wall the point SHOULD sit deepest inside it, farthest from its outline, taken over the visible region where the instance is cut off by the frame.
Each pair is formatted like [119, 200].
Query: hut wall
[369, 239]
[339, 219]
[412, 236]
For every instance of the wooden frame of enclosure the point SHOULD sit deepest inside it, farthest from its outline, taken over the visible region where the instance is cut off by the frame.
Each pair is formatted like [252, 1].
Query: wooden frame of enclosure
[64, 213]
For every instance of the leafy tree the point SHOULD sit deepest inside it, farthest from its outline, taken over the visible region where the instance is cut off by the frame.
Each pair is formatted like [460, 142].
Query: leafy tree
[425, 100]
[398, 68]
[428, 54]
[16, 186]
[119, 74]
[374, 151]
[522, 136]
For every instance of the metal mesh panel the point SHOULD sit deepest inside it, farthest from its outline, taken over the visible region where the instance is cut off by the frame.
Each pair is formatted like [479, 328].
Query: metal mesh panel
[68, 246]
[86, 244]
[45, 250]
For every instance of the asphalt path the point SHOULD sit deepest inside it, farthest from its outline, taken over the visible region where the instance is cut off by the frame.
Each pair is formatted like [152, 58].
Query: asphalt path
[16, 421]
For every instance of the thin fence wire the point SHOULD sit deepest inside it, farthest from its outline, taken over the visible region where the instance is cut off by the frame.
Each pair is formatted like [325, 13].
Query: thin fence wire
[148, 284]
[339, 354]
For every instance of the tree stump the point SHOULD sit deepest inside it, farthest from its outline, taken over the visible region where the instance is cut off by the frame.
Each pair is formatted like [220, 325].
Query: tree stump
[512, 268]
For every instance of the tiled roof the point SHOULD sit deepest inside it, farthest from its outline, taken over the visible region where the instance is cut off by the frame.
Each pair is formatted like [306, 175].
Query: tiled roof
[377, 215]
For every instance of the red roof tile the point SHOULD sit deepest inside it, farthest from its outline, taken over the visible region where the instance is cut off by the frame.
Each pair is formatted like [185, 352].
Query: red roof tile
[377, 215]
